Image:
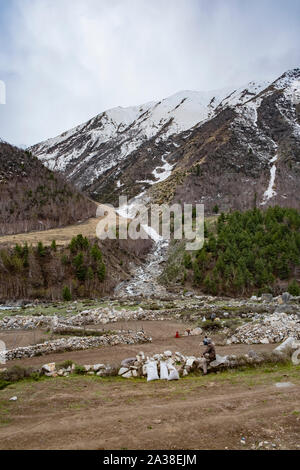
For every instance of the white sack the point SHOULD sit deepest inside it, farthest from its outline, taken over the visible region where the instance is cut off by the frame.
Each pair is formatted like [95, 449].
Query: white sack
[152, 373]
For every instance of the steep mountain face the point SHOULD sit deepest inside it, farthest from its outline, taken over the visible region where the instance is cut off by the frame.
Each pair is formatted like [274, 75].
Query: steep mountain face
[233, 148]
[33, 197]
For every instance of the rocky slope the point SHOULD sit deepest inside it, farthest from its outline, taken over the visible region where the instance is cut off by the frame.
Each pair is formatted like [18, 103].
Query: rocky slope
[229, 147]
[33, 197]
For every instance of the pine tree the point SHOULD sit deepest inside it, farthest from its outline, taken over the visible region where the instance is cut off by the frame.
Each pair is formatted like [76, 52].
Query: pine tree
[101, 271]
[41, 249]
[66, 294]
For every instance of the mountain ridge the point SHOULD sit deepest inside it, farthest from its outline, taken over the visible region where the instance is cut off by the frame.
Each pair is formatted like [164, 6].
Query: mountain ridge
[131, 150]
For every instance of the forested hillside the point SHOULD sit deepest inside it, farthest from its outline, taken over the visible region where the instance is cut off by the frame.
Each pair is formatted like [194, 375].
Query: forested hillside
[250, 252]
[33, 197]
[84, 268]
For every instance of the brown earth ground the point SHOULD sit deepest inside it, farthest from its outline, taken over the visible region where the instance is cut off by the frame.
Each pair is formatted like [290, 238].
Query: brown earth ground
[205, 412]
[211, 412]
[161, 332]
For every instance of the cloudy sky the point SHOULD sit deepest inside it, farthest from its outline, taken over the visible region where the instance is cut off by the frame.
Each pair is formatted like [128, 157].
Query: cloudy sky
[64, 61]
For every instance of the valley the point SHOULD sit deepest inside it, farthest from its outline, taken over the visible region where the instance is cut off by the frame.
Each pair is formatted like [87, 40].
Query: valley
[84, 319]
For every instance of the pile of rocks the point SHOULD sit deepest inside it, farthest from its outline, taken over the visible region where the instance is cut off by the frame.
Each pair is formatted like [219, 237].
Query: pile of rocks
[268, 329]
[54, 370]
[74, 343]
[110, 315]
[22, 322]
[86, 317]
[137, 366]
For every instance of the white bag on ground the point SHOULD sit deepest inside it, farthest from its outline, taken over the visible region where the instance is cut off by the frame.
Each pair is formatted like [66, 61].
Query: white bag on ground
[173, 374]
[164, 374]
[152, 373]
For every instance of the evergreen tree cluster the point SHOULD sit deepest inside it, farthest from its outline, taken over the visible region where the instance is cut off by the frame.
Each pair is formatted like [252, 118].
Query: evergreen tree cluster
[38, 269]
[86, 259]
[249, 251]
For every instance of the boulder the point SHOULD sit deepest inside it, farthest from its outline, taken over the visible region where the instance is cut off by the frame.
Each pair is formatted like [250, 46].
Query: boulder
[190, 361]
[219, 361]
[128, 375]
[123, 371]
[97, 367]
[288, 346]
[49, 368]
[128, 361]
[284, 384]
[296, 357]
[196, 331]
[267, 297]
[51, 374]
[286, 297]
[168, 353]
[253, 354]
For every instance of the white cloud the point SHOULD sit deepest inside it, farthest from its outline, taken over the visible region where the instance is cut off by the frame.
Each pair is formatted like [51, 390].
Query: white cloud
[65, 61]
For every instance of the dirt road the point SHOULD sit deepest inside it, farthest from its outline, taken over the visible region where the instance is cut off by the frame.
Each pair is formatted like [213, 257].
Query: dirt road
[212, 412]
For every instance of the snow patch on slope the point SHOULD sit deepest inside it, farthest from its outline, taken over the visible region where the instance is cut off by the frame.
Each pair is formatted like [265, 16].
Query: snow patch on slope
[125, 129]
[270, 192]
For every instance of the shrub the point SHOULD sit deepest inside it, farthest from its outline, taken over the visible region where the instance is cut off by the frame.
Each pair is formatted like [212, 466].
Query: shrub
[4, 384]
[187, 260]
[232, 323]
[79, 370]
[294, 288]
[211, 325]
[66, 294]
[65, 364]
[16, 373]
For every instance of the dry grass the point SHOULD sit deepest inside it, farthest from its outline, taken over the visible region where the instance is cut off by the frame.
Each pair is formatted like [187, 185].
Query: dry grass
[61, 235]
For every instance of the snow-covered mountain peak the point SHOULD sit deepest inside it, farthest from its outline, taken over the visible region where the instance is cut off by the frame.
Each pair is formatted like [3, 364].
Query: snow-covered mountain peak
[132, 148]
